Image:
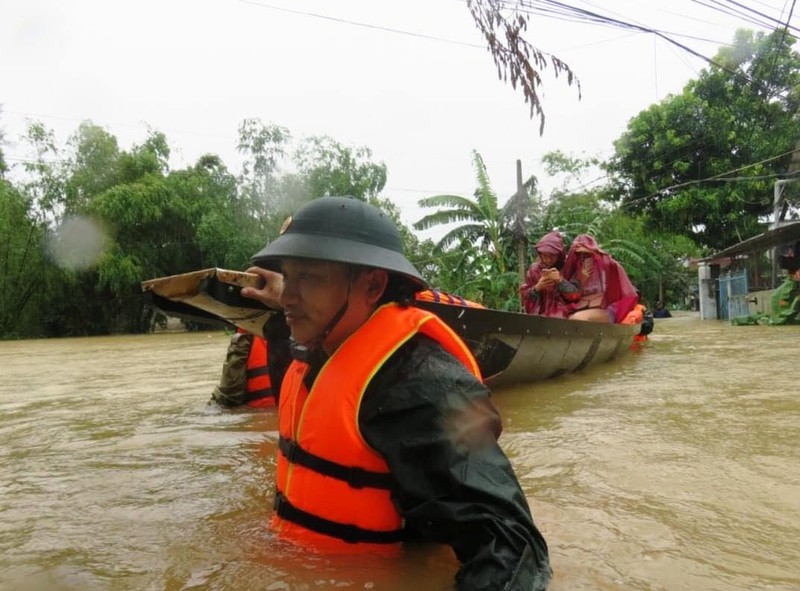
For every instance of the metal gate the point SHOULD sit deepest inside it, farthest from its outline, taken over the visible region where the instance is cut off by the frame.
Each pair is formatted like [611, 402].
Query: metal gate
[733, 295]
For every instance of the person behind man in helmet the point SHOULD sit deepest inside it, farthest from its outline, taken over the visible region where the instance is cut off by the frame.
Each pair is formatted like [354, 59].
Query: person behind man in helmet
[253, 368]
[387, 433]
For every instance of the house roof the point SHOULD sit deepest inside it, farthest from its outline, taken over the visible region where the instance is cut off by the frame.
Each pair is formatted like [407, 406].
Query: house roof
[789, 232]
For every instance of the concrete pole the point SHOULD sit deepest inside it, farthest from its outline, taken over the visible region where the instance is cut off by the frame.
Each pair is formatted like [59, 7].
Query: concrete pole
[705, 292]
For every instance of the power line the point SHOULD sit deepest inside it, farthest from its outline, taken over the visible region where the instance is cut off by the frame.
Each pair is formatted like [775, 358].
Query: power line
[719, 178]
[361, 24]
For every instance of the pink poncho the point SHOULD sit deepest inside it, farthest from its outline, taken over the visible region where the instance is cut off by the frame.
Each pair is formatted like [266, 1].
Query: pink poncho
[608, 277]
[550, 302]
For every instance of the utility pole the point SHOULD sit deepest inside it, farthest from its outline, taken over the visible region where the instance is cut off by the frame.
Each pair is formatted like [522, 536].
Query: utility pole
[521, 205]
[779, 206]
[522, 250]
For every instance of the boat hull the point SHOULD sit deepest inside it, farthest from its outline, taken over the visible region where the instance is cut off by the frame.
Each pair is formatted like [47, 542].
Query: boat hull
[518, 348]
[511, 348]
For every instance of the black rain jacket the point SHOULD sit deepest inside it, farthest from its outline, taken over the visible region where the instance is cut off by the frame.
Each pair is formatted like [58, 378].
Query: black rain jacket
[435, 426]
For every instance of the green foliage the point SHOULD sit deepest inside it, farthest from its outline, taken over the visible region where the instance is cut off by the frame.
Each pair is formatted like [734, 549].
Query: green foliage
[469, 271]
[3, 165]
[479, 219]
[477, 256]
[739, 120]
[331, 169]
[264, 148]
[21, 259]
[94, 166]
[110, 218]
[45, 182]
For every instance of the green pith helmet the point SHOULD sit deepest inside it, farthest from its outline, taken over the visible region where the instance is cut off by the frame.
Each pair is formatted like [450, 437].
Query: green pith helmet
[342, 230]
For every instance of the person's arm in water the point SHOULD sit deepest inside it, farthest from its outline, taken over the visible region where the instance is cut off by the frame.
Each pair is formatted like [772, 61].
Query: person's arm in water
[434, 424]
[232, 388]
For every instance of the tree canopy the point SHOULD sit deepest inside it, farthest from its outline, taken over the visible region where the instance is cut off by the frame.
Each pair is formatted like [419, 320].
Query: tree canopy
[703, 163]
[90, 220]
[83, 224]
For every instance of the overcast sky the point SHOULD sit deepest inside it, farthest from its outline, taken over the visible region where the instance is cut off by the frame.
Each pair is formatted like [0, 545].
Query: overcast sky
[409, 79]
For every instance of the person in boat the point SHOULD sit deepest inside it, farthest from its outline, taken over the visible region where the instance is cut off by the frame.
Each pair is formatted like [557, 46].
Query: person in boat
[606, 293]
[253, 370]
[545, 292]
[785, 300]
[386, 432]
[661, 311]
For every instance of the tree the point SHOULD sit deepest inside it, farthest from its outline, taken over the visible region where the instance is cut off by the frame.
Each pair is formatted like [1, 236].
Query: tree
[21, 258]
[329, 168]
[737, 122]
[167, 224]
[45, 182]
[89, 223]
[93, 167]
[264, 148]
[228, 232]
[3, 166]
[482, 232]
[479, 219]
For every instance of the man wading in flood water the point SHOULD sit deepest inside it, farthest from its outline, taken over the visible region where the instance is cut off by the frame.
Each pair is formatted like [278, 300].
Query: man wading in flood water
[386, 432]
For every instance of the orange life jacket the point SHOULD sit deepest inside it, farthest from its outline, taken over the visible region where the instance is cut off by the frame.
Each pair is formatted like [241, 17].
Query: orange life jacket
[635, 316]
[259, 385]
[333, 490]
[434, 295]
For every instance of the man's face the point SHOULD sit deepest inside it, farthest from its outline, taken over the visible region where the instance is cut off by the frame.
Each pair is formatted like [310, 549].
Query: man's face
[314, 291]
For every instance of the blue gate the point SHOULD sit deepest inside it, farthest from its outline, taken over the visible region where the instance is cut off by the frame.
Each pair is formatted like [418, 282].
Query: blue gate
[733, 295]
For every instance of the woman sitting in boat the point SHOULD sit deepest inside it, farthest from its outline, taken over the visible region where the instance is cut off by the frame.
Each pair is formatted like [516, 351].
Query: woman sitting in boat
[545, 292]
[606, 293]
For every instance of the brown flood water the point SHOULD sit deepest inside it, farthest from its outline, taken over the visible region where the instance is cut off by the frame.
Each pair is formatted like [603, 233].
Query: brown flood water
[676, 468]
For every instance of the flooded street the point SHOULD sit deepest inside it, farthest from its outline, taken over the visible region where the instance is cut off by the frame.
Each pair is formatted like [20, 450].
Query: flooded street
[675, 468]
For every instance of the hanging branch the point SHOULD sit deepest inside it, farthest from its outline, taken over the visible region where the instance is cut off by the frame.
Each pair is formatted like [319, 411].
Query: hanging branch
[515, 58]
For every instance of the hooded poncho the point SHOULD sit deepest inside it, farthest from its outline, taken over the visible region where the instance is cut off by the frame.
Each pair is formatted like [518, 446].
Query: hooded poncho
[607, 278]
[553, 301]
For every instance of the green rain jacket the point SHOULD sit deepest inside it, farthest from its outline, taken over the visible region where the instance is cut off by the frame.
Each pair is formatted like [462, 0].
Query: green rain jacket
[785, 304]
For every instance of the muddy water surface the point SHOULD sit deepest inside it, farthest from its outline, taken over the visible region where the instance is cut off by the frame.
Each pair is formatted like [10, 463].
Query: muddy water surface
[676, 468]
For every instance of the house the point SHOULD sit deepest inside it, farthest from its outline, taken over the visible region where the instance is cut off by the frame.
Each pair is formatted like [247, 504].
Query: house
[739, 280]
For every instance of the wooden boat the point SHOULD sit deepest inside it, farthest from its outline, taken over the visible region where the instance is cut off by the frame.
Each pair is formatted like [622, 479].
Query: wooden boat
[510, 347]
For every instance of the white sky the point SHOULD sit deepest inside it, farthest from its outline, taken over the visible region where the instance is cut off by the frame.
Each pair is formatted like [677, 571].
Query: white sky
[195, 69]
